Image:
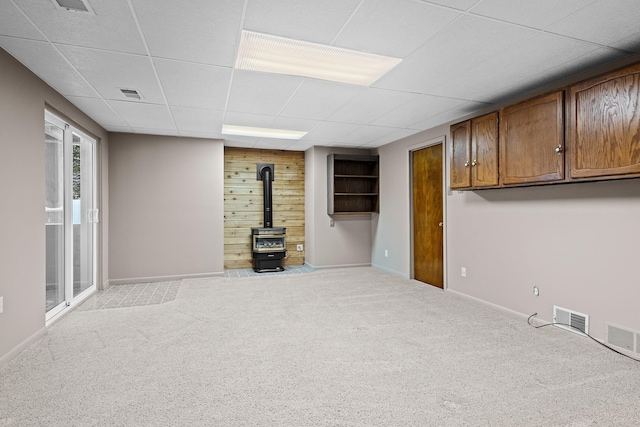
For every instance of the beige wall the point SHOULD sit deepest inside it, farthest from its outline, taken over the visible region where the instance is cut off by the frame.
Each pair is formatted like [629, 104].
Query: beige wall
[576, 242]
[22, 230]
[166, 207]
[348, 243]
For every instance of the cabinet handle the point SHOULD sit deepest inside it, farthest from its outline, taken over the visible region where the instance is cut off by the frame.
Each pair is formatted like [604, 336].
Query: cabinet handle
[466, 164]
[559, 149]
[475, 163]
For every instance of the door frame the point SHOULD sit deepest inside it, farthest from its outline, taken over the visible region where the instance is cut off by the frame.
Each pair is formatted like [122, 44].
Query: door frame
[70, 301]
[410, 150]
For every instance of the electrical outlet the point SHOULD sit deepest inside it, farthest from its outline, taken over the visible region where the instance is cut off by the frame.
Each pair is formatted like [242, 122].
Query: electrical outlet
[299, 248]
[386, 253]
[463, 271]
[536, 291]
[1, 304]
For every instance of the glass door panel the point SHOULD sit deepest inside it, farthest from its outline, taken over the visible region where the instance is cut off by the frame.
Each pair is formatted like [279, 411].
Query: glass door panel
[54, 213]
[83, 214]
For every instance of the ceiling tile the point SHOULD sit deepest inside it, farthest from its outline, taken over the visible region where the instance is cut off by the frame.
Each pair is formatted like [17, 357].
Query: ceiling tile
[329, 131]
[197, 120]
[535, 55]
[109, 72]
[291, 123]
[369, 105]
[308, 20]
[416, 110]
[98, 110]
[272, 144]
[449, 115]
[392, 137]
[299, 146]
[261, 93]
[119, 129]
[629, 44]
[247, 119]
[13, 23]
[111, 28]
[606, 22]
[318, 99]
[537, 14]
[374, 28]
[456, 49]
[456, 4]
[144, 116]
[43, 59]
[366, 134]
[194, 85]
[154, 131]
[202, 31]
[205, 135]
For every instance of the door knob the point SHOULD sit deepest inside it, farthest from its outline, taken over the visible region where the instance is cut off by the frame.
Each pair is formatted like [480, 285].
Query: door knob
[475, 163]
[440, 224]
[559, 149]
[466, 164]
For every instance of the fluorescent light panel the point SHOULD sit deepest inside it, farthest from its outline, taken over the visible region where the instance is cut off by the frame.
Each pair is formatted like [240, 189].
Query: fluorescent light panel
[271, 54]
[261, 132]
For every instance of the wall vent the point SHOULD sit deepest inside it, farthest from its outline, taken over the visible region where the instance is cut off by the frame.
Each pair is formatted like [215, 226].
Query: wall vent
[571, 320]
[81, 6]
[625, 340]
[131, 93]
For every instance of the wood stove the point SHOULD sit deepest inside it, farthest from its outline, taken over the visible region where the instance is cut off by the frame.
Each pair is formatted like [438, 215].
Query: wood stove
[269, 248]
[269, 243]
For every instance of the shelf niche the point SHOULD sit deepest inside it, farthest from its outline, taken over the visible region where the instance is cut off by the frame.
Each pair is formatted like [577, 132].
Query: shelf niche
[352, 184]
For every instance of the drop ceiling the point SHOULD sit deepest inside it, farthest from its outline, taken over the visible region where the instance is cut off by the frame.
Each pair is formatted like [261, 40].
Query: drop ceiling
[458, 56]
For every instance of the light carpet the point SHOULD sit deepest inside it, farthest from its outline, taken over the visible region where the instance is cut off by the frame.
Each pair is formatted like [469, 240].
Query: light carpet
[339, 347]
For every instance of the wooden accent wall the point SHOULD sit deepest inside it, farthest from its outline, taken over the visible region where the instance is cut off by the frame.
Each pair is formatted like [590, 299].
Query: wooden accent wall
[243, 205]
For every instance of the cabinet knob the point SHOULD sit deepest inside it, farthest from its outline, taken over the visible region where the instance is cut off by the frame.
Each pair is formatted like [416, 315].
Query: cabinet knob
[475, 163]
[559, 149]
[466, 164]
[440, 224]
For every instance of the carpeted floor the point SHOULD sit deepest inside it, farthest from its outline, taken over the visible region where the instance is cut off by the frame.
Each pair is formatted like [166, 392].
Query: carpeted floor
[340, 347]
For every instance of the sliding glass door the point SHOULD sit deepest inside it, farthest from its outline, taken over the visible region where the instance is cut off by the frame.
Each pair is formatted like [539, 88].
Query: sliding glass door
[71, 216]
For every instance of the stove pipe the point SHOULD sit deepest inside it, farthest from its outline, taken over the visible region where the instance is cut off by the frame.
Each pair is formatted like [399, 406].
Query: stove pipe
[265, 173]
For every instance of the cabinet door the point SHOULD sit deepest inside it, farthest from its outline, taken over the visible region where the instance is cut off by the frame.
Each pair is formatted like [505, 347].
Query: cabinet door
[605, 125]
[459, 152]
[532, 141]
[484, 151]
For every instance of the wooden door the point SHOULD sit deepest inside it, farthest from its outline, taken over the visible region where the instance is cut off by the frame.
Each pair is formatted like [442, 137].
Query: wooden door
[428, 259]
[532, 140]
[484, 151]
[605, 126]
[460, 152]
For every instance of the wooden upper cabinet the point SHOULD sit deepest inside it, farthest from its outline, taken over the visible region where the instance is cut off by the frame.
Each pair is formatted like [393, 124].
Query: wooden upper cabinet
[460, 155]
[484, 151]
[532, 141]
[605, 125]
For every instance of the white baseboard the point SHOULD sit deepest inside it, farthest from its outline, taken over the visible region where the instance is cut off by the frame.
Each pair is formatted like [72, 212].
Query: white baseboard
[390, 271]
[151, 279]
[510, 312]
[21, 347]
[322, 267]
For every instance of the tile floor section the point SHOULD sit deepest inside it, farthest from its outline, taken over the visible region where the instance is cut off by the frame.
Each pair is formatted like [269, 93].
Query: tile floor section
[134, 295]
[140, 294]
[248, 272]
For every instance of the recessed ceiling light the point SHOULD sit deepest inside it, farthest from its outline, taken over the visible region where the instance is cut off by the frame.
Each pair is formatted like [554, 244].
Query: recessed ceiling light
[271, 54]
[74, 6]
[261, 132]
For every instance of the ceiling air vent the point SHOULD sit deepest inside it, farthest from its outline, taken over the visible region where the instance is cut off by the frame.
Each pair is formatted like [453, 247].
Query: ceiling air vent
[571, 320]
[81, 6]
[131, 94]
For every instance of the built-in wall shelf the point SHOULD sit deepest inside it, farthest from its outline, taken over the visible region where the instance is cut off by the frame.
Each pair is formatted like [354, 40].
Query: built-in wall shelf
[352, 184]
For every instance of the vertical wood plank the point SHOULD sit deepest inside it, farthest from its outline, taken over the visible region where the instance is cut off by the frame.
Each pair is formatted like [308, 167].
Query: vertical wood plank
[243, 206]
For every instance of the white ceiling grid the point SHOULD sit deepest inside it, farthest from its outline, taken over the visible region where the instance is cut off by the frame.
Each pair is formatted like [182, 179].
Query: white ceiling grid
[459, 56]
